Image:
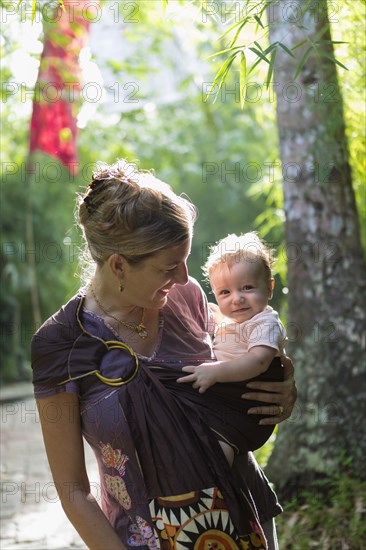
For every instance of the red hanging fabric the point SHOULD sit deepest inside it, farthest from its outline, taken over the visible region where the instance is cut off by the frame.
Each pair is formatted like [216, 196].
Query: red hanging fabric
[53, 124]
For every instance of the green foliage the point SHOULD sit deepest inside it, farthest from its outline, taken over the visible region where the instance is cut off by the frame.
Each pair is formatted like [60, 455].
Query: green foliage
[202, 149]
[53, 252]
[329, 514]
[251, 33]
[262, 455]
[45, 196]
[353, 47]
[210, 153]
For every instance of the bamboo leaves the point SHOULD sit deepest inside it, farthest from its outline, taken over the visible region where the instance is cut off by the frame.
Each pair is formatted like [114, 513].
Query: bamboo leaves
[243, 78]
[221, 76]
[268, 56]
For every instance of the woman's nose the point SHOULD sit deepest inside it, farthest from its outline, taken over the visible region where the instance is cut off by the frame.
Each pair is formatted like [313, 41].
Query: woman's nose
[181, 274]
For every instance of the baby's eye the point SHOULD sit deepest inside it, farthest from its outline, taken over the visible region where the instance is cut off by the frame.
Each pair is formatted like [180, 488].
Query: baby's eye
[247, 287]
[223, 292]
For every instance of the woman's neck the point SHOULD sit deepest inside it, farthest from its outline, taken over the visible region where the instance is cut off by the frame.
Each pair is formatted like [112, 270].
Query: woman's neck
[105, 292]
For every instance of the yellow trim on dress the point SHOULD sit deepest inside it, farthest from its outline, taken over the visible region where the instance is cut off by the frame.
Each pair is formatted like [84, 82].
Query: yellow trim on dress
[110, 344]
[116, 344]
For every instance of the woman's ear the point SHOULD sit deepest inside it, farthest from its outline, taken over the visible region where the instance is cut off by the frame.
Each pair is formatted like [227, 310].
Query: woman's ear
[117, 263]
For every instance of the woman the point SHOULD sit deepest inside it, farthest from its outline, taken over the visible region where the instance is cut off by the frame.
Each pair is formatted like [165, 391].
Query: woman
[100, 364]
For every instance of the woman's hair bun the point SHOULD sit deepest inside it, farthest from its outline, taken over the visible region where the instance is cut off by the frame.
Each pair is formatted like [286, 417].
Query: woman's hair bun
[131, 212]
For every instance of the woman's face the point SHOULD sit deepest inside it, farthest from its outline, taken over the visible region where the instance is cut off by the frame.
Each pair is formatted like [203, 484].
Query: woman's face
[148, 284]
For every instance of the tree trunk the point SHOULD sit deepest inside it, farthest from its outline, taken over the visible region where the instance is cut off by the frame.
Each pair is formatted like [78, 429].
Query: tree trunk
[326, 270]
[31, 256]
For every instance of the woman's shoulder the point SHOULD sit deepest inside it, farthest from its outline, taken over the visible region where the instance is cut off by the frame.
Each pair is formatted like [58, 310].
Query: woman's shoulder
[52, 344]
[57, 326]
[54, 340]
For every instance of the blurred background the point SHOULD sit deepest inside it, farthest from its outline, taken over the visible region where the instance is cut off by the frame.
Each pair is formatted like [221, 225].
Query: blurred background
[136, 80]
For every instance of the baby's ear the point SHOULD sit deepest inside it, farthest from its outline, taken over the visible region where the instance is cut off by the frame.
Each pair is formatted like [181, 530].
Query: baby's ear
[271, 284]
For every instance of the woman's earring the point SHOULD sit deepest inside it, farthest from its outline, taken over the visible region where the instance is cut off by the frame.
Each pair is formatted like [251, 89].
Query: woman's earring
[121, 287]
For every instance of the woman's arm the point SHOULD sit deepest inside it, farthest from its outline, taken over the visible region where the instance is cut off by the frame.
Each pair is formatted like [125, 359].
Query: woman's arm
[60, 421]
[281, 399]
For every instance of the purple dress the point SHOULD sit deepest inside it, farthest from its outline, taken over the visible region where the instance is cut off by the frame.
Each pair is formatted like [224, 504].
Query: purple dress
[165, 482]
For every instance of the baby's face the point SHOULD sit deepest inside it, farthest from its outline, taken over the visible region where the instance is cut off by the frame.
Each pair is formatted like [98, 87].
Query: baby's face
[242, 289]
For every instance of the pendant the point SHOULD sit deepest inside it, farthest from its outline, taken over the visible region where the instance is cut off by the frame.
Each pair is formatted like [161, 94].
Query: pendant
[141, 331]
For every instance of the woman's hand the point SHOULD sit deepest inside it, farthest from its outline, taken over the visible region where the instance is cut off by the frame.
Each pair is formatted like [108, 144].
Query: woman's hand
[281, 399]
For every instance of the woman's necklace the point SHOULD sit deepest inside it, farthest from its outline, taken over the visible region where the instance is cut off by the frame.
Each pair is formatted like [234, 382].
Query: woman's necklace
[139, 328]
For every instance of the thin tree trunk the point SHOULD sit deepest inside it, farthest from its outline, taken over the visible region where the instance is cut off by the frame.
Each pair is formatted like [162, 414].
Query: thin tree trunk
[326, 270]
[31, 253]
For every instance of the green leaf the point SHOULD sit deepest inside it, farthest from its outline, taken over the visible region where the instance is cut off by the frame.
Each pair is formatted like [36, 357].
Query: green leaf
[332, 58]
[270, 48]
[239, 23]
[253, 7]
[259, 54]
[330, 42]
[300, 44]
[165, 5]
[253, 66]
[259, 21]
[224, 75]
[34, 7]
[224, 51]
[221, 75]
[264, 8]
[243, 78]
[238, 32]
[270, 68]
[258, 46]
[62, 5]
[285, 48]
[303, 61]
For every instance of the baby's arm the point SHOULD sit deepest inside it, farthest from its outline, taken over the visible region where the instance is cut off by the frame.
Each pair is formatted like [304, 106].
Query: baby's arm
[246, 366]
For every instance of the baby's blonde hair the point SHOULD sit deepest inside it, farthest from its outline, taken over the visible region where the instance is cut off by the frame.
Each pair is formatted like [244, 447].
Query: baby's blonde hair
[235, 248]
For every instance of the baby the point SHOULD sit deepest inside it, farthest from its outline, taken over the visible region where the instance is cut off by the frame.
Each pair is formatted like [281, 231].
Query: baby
[249, 333]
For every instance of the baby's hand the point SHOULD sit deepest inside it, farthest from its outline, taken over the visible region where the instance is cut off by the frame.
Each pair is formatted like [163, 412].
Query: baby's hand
[201, 376]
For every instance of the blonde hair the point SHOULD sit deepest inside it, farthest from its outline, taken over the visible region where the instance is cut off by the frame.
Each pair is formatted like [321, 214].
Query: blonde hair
[130, 212]
[235, 248]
